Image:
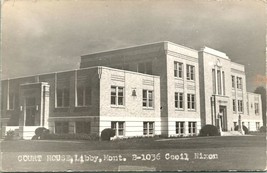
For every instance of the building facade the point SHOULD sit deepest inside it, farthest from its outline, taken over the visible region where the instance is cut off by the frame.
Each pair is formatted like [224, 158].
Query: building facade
[155, 89]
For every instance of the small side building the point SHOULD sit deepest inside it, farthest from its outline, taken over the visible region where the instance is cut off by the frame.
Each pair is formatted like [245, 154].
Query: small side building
[83, 101]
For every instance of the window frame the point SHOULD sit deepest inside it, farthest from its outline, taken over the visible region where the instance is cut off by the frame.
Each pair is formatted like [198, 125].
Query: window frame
[117, 97]
[257, 110]
[233, 82]
[239, 83]
[240, 106]
[86, 91]
[65, 101]
[190, 72]
[191, 102]
[234, 105]
[148, 128]
[178, 101]
[147, 100]
[178, 70]
[192, 128]
[118, 128]
[180, 128]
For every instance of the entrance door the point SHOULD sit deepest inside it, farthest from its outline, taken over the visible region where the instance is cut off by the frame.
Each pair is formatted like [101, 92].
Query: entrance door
[223, 118]
[30, 112]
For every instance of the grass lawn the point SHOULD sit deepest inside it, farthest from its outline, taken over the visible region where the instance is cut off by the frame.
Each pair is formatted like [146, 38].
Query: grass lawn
[223, 153]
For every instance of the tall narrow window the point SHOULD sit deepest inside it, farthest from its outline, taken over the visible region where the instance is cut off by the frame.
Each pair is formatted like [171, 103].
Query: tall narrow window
[148, 128]
[62, 97]
[178, 69]
[219, 82]
[213, 81]
[191, 102]
[180, 128]
[179, 100]
[223, 83]
[117, 95]
[239, 82]
[190, 72]
[234, 105]
[256, 108]
[192, 128]
[233, 81]
[147, 98]
[84, 96]
[240, 106]
[257, 125]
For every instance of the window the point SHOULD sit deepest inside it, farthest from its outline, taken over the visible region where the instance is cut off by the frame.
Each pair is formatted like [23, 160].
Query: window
[63, 97]
[256, 108]
[223, 83]
[191, 102]
[192, 128]
[240, 106]
[213, 81]
[234, 105]
[83, 127]
[233, 81]
[180, 128]
[84, 96]
[148, 128]
[178, 69]
[30, 110]
[219, 82]
[118, 126]
[11, 101]
[179, 100]
[257, 125]
[61, 127]
[147, 98]
[239, 82]
[117, 96]
[190, 72]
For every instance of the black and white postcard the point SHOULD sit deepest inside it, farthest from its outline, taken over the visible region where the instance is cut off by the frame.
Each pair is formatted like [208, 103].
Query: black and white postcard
[147, 85]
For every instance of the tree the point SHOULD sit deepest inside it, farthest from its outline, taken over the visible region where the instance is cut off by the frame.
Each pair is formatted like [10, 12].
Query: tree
[262, 91]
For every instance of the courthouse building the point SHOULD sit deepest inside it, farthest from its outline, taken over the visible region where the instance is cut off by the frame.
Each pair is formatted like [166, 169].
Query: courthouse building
[154, 89]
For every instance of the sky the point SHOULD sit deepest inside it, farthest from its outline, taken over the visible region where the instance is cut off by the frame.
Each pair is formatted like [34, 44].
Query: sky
[42, 36]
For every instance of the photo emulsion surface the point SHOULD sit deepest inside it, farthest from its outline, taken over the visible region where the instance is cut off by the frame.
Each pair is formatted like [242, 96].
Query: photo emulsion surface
[133, 85]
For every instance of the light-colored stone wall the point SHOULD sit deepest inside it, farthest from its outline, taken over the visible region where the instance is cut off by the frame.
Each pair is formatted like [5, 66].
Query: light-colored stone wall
[132, 112]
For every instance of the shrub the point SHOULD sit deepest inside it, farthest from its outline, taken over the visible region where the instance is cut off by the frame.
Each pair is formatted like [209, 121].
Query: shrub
[40, 133]
[34, 137]
[262, 129]
[106, 134]
[10, 135]
[245, 129]
[209, 130]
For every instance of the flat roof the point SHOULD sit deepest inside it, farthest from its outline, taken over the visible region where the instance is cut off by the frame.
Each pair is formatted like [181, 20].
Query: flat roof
[104, 67]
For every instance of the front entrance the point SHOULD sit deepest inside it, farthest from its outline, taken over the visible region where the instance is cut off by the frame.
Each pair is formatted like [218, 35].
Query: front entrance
[31, 119]
[223, 117]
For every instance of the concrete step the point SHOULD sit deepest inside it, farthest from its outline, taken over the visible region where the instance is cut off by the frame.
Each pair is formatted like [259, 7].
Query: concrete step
[231, 133]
